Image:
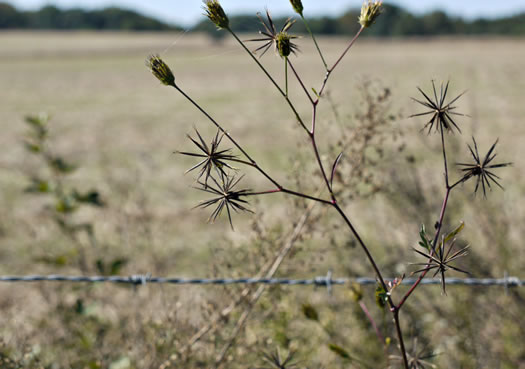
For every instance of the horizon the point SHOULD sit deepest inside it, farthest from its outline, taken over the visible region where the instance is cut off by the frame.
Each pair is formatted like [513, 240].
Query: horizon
[187, 15]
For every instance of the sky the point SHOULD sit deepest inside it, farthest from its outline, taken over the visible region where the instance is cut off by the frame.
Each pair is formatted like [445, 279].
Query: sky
[188, 12]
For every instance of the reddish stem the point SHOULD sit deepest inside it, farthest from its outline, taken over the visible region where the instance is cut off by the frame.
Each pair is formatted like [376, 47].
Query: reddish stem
[379, 335]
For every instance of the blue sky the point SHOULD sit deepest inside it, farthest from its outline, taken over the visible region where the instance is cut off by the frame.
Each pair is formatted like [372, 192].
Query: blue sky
[187, 12]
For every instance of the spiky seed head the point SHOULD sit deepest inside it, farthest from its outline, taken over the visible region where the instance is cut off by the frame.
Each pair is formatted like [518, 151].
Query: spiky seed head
[160, 70]
[284, 44]
[297, 5]
[216, 14]
[369, 12]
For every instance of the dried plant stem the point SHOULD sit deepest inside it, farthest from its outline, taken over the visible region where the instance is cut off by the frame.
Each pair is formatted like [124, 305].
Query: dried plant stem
[436, 238]
[286, 74]
[333, 202]
[268, 271]
[232, 140]
[330, 70]
[250, 161]
[315, 42]
[300, 81]
[379, 335]
[280, 189]
[439, 224]
[402, 347]
[443, 148]
[258, 293]
[299, 119]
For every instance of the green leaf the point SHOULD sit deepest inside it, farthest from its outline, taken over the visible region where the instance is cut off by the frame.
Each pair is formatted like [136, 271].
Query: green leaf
[425, 242]
[60, 260]
[32, 147]
[91, 197]
[38, 124]
[39, 186]
[310, 312]
[315, 92]
[66, 205]
[80, 308]
[341, 352]
[356, 292]
[60, 165]
[455, 232]
[117, 265]
[101, 267]
[381, 296]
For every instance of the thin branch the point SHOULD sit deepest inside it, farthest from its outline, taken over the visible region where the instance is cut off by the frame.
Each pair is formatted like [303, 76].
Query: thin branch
[330, 70]
[301, 82]
[257, 295]
[232, 140]
[299, 119]
[434, 243]
[315, 42]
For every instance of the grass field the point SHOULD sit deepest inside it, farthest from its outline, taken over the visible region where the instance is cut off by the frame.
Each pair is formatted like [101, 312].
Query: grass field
[113, 118]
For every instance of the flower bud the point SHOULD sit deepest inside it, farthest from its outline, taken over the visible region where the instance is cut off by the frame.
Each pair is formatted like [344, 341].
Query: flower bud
[160, 70]
[297, 6]
[369, 12]
[284, 44]
[216, 14]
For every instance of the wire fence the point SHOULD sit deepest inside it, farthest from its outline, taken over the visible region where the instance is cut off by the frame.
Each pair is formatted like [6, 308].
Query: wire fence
[324, 281]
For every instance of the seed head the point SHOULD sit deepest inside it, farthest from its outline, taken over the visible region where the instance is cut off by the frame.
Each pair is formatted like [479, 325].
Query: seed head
[281, 40]
[369, 12]
[441, 113]
[297, 6]
[226, 197]
[482, 168]
[216, 14]
[160, 70]
[284, 44]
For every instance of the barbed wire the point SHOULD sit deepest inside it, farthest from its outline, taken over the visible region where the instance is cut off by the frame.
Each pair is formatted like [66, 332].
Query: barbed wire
[325, 281]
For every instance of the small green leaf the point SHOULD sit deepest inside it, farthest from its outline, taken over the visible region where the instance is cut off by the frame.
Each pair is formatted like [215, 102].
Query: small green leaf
[310, 312]
[66, 205]
[117, 265]
[91, 197]
[39, 186]
[425, 242]
[315, 92]
[381, 296]
[80, 308]
[341, 352]
[38, 124]
[60, 165]
[455, 232]
[356, 292]
[101, 267]
[32, 147]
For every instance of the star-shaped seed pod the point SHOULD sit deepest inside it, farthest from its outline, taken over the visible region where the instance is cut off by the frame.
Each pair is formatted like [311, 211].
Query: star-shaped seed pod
[441, 113]
[482, 169]
[276, 361]
[418, 358]
[281, 41]
[226, 197]
[212, 157]
[441, 260]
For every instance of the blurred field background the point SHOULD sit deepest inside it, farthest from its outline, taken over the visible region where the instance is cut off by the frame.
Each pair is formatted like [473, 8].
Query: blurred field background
[113, 119]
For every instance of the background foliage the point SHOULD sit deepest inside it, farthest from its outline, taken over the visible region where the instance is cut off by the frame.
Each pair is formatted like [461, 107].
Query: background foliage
[395, 21]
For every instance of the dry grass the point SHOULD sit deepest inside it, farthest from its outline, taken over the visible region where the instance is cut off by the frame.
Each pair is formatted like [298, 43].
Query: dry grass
[114, 119]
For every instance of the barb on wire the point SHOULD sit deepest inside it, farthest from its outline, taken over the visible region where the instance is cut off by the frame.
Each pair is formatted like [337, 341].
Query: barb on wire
[324, 281]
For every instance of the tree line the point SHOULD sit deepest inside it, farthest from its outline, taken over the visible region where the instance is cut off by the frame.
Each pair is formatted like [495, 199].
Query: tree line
[52, 18]
[395, 21]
